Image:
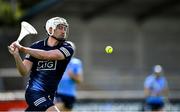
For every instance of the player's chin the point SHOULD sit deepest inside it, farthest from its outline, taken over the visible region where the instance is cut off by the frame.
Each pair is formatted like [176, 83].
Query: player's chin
[61, 39]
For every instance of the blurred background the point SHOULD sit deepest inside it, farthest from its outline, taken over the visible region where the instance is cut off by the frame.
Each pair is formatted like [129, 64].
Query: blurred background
[143, 33]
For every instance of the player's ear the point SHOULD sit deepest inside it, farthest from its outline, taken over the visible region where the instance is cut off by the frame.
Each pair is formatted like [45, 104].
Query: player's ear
[50, 30]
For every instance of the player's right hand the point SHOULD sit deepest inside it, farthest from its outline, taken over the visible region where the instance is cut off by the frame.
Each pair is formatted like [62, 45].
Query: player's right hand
[13, 49]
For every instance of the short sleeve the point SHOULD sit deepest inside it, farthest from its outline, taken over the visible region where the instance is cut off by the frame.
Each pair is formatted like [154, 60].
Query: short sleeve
[67, 51]
[147, 82]
[77, 67]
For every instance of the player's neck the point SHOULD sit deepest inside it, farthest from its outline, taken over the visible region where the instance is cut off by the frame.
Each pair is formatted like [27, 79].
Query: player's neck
[52, 42]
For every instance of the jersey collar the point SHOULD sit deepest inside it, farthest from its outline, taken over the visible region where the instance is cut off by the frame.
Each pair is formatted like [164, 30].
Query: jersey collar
[45, 41]
[46, 44]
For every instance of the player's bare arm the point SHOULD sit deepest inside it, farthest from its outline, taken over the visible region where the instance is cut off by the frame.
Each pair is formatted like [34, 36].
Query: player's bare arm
[41, 54]
[44, 55]
[146, 92]
[22, 66]
[77, 78]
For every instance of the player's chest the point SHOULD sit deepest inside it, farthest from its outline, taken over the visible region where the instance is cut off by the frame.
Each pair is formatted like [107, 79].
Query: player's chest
[46, 65]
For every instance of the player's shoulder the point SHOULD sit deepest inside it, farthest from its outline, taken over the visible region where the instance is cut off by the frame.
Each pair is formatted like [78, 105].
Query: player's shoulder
[66, 43]
[70, 44]
[163, 77]
[150, 77]
[38, 43]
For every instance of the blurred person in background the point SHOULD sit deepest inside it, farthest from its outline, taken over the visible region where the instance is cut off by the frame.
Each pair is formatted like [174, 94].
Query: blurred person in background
[67, 89]
[155, 90]
[46, 61]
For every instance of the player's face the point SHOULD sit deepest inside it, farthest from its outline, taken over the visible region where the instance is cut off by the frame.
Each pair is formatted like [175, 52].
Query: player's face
[158, 74]
[60, 31]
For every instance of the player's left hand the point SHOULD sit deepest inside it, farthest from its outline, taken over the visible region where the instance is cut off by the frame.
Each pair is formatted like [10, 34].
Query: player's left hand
[17, 45]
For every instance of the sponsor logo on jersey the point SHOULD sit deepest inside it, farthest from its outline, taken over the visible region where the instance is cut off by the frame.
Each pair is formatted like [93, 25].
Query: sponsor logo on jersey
[46, 65]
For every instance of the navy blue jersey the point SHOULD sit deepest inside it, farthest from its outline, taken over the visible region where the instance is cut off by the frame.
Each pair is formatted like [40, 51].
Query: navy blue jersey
[46, 74]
